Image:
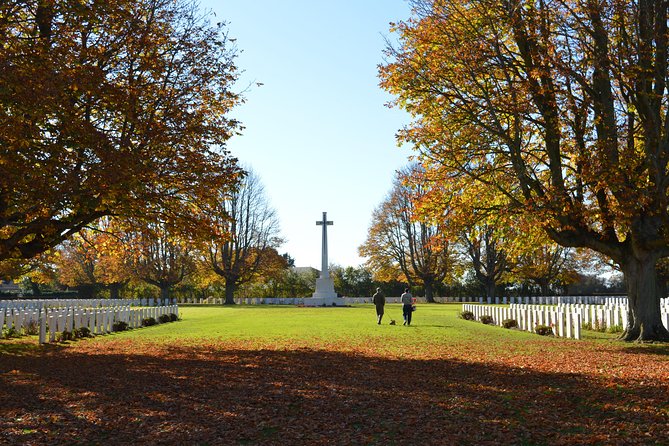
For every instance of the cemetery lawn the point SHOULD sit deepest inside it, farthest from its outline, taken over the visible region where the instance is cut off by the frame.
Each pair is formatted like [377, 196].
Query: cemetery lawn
[250, 375]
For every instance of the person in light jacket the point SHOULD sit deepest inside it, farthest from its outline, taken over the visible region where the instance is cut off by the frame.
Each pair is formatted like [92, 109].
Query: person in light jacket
[407, 306]
[379, 301]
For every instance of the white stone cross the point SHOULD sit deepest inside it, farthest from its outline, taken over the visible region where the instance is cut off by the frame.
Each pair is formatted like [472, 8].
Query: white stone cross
[325, 272]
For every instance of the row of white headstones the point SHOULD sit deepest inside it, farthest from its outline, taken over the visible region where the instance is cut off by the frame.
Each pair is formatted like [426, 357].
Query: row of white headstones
[566, 320]
[565, 324]
[51, 321]
[504, 300]
[87, 303]
[552, 300]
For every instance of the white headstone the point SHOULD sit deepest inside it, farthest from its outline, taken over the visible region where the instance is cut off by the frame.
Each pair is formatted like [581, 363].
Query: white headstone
[42, 328]
[52, 327]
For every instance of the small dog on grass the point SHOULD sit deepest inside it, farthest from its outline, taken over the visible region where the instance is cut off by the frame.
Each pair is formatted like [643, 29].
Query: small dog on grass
[392, 322]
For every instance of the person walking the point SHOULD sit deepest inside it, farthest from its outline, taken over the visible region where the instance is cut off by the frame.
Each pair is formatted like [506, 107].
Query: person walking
[379, 301]
[407, 306]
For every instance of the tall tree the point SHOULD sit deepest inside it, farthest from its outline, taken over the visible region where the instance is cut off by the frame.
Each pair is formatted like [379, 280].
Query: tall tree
[561, 105]
[484, 251]
[545, 265]
[471, 216]
[109, 107]
[96, 257]
[162, 258]
[249, 235]
[399, 238]
[76, 266]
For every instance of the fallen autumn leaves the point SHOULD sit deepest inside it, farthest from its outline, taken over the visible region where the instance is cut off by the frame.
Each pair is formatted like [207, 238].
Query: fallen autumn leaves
[233, 393]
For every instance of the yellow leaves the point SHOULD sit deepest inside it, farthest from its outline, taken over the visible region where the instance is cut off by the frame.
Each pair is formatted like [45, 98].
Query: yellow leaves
[502, 108]
[83, 114]
[94, 256]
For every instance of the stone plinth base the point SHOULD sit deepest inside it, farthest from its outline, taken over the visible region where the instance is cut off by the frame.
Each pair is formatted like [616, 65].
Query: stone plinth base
[325, 287]
[325, 295]
[324, 301]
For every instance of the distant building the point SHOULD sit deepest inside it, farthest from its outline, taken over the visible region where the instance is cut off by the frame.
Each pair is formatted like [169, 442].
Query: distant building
[306, 270]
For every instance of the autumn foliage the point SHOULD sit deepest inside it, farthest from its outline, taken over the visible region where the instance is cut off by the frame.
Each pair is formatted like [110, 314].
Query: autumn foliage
[403, 244]
[557, 107]
[114, 107]
[96, 257]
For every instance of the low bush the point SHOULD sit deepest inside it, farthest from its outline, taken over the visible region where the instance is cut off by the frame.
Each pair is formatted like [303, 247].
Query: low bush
[543, 330]
[10, 332]
[615, 329]
[510, 323]
[82, 332]
[486, 319]
[32, 328]
[66, 336]
[149, 321]
[597, 326]
[467, 315]
[119, 326]
[164, 318]
[173, 317]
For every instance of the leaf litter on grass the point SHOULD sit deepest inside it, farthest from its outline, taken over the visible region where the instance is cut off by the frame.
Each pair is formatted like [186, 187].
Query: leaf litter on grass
[329, 391]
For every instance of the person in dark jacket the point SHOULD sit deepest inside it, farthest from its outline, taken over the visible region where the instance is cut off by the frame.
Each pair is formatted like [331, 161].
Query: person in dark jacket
[379, 302]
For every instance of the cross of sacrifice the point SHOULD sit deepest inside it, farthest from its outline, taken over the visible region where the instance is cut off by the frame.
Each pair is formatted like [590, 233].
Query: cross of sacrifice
[324, 259]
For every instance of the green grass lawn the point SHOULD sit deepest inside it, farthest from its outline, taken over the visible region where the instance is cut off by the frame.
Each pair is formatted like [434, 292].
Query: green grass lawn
[271, 375]
[433, 326]
[356, 323]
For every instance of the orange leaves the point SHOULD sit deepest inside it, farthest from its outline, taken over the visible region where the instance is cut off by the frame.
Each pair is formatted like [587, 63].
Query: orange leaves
[286, 394]
[537, 108]
[403, 242]
[96, 256]
[102, 120]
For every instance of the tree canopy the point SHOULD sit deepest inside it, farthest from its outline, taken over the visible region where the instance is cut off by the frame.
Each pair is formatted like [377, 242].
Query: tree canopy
[109, 107]
[248, 235]
[559, 105]
[402, 243]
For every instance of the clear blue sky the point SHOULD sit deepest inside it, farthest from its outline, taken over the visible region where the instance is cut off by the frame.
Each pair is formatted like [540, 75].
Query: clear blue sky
[317, 132]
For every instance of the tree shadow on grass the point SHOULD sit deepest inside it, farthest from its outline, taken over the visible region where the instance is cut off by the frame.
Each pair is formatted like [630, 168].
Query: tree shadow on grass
[205, 395]
[661, 349]
[20, 346]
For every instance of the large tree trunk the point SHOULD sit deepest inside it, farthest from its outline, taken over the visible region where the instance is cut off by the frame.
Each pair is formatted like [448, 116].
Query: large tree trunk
[115, 290]
[643, 294]
[544, 285]
[86, 291]
[164, 292]
[429, 291]
[489, 286]
[229, 292]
